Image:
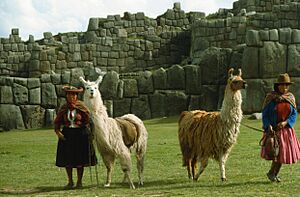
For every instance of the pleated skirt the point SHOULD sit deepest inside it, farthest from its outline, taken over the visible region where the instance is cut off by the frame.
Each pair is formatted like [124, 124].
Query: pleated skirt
[289, 147]
[76, 150]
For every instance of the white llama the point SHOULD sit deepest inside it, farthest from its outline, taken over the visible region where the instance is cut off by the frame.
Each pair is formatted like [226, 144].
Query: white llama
[203, 135]
[108, 134]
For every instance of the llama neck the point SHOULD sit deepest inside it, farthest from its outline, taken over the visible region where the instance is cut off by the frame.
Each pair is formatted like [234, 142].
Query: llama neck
[97, 107]
[231, 110]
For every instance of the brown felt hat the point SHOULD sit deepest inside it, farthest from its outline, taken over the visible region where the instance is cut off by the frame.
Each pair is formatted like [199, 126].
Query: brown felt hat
[284, 79]
[73, 89]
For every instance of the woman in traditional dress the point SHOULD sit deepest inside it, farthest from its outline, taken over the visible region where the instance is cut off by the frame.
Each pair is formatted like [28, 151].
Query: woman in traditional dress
[280, 112]
[74, 149]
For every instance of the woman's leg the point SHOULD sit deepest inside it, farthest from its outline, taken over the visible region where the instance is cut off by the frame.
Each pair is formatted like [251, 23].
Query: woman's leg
[79, 176]
[276, 171]
[70, 177]
[271, 174]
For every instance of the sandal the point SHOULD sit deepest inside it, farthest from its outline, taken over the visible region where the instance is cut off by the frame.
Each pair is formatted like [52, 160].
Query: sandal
[78, 185]
[69, 185]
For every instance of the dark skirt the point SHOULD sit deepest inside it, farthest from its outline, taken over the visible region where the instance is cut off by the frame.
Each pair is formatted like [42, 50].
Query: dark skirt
[76, 150]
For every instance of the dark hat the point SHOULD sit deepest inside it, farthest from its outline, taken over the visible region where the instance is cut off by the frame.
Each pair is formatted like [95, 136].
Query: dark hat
[284, 79]
[73, 89]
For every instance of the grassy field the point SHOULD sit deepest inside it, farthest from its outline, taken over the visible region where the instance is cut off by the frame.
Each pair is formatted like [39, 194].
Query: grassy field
[27, 168]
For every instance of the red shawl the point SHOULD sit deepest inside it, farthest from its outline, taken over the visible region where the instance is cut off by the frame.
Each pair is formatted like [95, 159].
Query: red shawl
[79, 105]
[288, 97]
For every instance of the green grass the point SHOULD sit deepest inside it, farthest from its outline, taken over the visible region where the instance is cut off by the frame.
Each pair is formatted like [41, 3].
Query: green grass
[27, 168]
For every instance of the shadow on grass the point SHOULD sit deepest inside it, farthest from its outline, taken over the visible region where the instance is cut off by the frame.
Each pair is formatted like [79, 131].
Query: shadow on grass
[179, 184]
[148, 186]
[37, 190]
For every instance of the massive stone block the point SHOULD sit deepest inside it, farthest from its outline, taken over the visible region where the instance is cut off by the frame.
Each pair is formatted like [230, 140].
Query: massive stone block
[209, 97]
[50, 115]
[140, 107]
[250, 62]
[145, 82]
[122, 106]
[20, 94]
[176, 78]
[214, 64]
[194, 102]
[75, 74]
[160, 79]
[109, 85]
[293, 67]
[176, 101]
[253, 38]
[6, 95]
[11, 117]
[192, 79]
[255, 94]
[158, 104]
[130, 88]
[35, 96]
[272, 59]
[33, 116]
[295, 89]
[285, 35]
[49, 97]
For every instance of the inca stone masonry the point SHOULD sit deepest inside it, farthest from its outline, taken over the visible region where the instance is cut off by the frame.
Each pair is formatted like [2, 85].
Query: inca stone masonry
[155, 67]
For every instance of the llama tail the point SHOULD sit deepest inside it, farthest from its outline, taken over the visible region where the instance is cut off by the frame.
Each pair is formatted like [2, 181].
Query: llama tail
[182, 137]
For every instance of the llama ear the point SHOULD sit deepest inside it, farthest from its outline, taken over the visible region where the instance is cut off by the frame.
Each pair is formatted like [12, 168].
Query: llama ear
[240, 72]
[230, 72]
[99, 80]
[82, 80]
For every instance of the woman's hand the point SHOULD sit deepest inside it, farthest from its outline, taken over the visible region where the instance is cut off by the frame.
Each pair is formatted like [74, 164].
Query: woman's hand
[60, 135]
[281, 125]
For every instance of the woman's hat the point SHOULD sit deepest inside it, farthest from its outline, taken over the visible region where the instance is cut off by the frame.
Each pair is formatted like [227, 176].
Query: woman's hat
[284, 79]
[73, 89]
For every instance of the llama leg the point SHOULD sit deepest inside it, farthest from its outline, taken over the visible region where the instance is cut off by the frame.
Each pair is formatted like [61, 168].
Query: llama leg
[194, 167]
[140, 167]
[125, 161]
[222, 162]
[204, 163]
[189, 168]
[109, 161]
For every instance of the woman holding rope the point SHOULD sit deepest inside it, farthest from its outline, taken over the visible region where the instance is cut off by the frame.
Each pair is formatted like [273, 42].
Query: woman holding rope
[279, 115]
[74, 149]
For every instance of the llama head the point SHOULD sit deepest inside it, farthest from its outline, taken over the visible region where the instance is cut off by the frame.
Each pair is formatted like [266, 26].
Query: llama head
[92, 87]
[236, 82]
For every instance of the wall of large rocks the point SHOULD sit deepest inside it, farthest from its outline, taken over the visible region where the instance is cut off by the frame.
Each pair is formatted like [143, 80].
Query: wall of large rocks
[32, 102]
[124, 44]
[258, 6]
[263, 40]
[230, 30]
[155, 67]
[266, 54]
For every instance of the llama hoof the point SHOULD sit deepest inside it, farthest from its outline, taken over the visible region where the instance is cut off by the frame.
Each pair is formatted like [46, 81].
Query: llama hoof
[107, 185]
[195, 179]
[224, 179]
[132, 187]
[141, 183]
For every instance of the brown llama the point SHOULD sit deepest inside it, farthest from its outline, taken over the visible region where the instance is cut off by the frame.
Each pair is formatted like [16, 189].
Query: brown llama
[203, 135]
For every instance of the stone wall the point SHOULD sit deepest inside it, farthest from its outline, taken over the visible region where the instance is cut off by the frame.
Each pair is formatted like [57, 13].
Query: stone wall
[229, 30]
[259, 6]
[155, 67]
[263, 42]
[269, 52]
[32, 102]
[124, 44]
